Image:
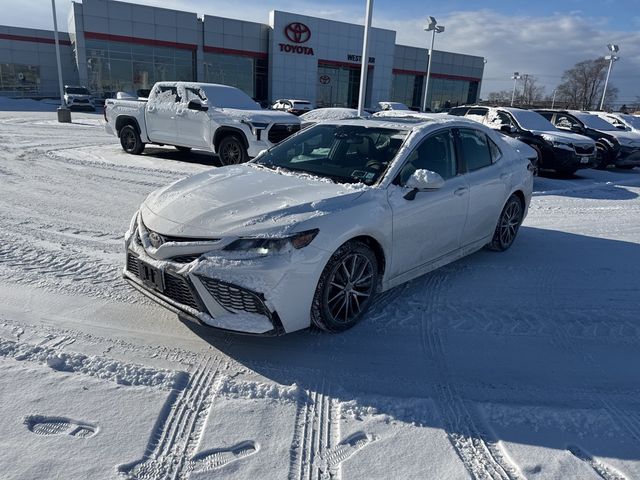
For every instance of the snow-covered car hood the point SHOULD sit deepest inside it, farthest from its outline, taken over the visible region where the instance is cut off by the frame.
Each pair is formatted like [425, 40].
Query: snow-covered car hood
[262, 116]
[565, 137]
[241, 200]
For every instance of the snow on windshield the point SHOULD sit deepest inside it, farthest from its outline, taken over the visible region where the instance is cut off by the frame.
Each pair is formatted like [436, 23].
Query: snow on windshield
[532, 120]
[594, 121]
[222, 96]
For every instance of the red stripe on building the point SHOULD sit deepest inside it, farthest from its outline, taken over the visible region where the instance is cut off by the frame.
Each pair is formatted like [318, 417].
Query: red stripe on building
[335, 63]
[399, 71]
[232, 51]
[24, 38]
[139, 41]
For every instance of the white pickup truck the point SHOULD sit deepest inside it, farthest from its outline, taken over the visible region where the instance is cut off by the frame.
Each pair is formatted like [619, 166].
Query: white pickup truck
[218, 118]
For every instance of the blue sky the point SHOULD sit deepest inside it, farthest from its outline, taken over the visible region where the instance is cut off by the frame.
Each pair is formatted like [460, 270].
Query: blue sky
[542, 38]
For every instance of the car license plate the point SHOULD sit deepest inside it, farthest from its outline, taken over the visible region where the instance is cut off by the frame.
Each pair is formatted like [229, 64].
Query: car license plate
[152, 276]
[584, 160]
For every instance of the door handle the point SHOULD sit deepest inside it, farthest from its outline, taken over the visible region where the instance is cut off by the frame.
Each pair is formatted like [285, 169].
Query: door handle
[460, 191]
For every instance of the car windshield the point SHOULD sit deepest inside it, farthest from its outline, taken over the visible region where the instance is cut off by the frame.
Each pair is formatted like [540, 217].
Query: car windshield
[342, 153]
[529, 120]
[595, 122]
[77, 91]
[301, 104]
[631, 120]
[222, 96]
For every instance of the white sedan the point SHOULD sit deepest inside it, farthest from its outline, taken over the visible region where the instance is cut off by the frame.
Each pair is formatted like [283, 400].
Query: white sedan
[310, 230]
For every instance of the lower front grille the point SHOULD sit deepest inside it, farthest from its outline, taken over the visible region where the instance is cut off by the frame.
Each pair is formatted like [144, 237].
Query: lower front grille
[132, 264]
[233, 297]
[279, 132]
[177, 289]
[584, 150]
[185, 258]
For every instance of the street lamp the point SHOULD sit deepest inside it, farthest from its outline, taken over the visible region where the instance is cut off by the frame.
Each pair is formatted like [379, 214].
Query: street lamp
[484, 60]
[612, 58]
[515, 77]
[435, 28]
[64, 114]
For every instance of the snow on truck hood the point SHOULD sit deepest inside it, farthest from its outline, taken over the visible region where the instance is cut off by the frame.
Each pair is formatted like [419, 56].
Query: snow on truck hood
[241, 200]
[262, 116]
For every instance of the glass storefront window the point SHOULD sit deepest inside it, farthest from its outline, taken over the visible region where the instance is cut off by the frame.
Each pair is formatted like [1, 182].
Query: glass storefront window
[443, 92]
[239, 72]
[338, 86]
[16, 79]
[120, 66]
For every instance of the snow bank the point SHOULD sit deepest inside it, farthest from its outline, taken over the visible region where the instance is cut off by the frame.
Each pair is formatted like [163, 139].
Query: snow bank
[28, 105]
[103, 368]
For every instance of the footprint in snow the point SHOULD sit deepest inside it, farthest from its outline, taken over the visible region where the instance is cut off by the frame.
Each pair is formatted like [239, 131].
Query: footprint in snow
[42, 425]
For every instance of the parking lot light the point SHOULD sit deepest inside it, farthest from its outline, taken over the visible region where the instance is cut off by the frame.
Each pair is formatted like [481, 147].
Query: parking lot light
[515, 77]
[612, 58]
[433, 27]
[64, 114]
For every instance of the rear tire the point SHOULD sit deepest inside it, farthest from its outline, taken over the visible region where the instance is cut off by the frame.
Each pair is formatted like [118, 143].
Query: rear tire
[183, 149]
[508, 225]
[232, 151]
[130, 140]
[346, 288]
[602, 157]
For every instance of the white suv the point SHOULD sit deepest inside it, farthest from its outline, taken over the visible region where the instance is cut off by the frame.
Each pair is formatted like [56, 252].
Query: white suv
[76, 97]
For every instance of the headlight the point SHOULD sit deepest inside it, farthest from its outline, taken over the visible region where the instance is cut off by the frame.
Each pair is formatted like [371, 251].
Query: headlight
[255, 126]
[265, 245]
[562, 145]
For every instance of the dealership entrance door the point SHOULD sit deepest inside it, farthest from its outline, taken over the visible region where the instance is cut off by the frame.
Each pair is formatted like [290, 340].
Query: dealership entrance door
[338, 86]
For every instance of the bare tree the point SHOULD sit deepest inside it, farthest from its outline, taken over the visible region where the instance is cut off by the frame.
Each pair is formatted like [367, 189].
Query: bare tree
[582, 85]
[532, 92]
[503, 97]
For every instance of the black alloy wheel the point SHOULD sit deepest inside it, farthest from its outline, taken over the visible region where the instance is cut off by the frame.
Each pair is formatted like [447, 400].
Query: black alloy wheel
[130, 140]
[231, 151]
[346, 288]
[508, 225]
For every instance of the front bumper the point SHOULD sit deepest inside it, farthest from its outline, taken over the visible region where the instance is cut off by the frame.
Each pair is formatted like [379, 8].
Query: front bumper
[564, 159]
[628, 157]
[269, 295]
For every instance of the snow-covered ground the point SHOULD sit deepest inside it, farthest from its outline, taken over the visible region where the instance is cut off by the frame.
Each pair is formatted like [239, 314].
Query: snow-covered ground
[518, 365]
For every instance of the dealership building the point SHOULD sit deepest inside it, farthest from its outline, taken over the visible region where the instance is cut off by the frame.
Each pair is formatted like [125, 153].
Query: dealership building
[116, 46]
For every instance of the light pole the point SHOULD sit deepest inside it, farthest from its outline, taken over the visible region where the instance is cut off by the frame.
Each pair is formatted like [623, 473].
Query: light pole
[435, 28]
[612, 58]
[479, 99]
[553, 100]
[64, 114]
[364, 68]
[515, 77]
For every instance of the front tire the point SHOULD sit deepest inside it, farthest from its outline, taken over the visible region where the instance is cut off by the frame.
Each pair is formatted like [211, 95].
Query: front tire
[508, 225]
[346, 288]
[130, 140]
[602, 157]
[231, 151]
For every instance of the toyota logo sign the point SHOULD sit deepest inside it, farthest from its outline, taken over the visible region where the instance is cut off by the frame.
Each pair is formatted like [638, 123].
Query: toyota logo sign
[325, 79]
[297, 32]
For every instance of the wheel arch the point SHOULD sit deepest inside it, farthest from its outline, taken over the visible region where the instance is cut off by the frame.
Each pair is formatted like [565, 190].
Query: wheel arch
[375, 246]
[520, 196]
[124, 120]
[224, 132]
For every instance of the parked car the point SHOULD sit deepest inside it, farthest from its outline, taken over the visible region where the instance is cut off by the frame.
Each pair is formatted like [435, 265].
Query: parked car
[392, 106]
[218, 118]
[520, 147]
[615, 147]
[329, 113]
[622, 121]
[78, 98]
[312, 229]
[562, 152]
[296, 107]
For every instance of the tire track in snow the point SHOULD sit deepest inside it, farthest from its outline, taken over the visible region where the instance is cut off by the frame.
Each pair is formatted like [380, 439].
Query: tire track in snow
[317, 452]
[480, 454]
[603, 471]
[171, 452]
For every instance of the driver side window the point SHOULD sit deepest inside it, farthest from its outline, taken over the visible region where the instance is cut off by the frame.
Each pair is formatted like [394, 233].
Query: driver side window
[562, 121]
[435, 153]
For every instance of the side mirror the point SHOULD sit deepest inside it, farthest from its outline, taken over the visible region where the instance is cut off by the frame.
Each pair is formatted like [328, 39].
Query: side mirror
[507, 128]
[577, 128]
[423, 181]
[197, 106]
[622, 127]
